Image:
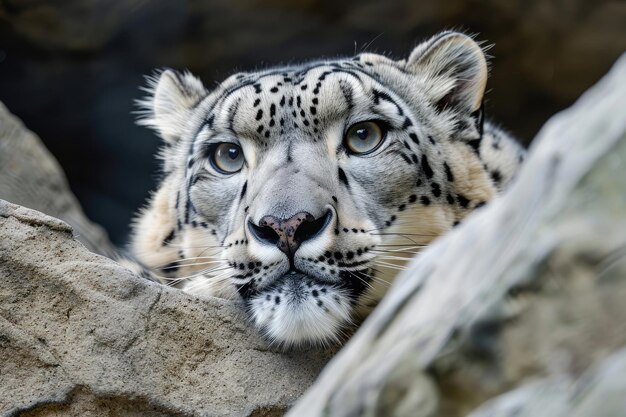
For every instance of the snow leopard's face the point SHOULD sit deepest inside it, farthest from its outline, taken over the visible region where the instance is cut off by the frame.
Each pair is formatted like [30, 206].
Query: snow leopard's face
[303, 190]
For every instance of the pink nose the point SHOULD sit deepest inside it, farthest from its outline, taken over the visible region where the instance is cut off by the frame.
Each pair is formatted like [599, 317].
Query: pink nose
[289, 234]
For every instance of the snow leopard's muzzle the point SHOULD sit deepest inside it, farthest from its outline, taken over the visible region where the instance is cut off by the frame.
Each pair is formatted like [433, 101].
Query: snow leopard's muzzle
[311, 259]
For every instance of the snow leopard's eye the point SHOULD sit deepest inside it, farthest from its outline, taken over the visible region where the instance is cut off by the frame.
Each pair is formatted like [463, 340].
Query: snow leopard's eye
[364, 137]
[227, 158]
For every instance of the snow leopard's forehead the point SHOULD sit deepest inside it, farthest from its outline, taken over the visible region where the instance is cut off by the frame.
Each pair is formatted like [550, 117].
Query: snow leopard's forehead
[267, 105]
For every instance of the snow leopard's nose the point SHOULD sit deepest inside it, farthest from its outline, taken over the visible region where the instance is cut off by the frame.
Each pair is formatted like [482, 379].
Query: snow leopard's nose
[289, 234]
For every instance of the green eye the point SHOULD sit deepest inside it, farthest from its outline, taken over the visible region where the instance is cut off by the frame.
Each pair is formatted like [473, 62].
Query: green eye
[364, 137]
[227, 158]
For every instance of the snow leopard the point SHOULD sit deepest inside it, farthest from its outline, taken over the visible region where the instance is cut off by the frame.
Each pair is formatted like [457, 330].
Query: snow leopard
[303, 190]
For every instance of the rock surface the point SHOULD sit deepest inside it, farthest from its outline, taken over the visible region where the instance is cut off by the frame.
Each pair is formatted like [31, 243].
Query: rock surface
[532, 286]
[81, 336]
[31, 177]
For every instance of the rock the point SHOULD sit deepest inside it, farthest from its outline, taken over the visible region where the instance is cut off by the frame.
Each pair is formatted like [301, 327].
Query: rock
[599, 392]
[81, 336]
[531, 287]
[31, 177]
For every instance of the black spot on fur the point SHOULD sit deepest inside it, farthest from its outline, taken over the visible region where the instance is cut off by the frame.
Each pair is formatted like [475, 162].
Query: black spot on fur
[343, 178]
[169, 238]
[259, 114]
[171, 267]
[426, 167]
[448, 171]
[475, 145]
[425, 200]
[243, 190]
[414, 138]
[435, 189]
[496, 176]
[463, 201]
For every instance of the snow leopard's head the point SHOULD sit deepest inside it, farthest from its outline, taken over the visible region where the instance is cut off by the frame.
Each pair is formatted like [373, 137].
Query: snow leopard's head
[304, 189]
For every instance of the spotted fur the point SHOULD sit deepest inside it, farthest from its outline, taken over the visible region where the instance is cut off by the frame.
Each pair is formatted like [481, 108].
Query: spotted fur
[438, 162]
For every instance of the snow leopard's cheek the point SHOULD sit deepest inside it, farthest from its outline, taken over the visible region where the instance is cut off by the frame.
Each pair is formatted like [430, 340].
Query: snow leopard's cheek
[380, 183]
[216, 198]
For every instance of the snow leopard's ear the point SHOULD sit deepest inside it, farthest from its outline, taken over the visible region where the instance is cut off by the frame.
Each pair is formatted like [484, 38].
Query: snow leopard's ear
[453, 70]
[166, 108]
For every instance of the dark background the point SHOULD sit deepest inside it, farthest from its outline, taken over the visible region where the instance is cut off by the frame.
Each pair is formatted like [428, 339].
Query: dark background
[71, 68]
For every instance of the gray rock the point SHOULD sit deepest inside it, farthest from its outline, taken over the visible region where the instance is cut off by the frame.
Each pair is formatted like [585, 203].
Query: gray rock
[81, 336]
[31, 177]
[599, 392]
[529, 287]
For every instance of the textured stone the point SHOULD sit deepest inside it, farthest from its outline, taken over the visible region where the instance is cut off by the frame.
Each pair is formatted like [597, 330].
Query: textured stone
[529, 287]
[599, 392]
[82, 336]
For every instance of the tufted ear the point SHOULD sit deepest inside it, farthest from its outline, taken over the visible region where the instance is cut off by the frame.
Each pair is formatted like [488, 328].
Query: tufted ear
[453, 68]
[171, 95]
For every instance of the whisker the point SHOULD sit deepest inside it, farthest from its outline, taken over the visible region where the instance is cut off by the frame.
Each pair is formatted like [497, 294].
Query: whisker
[202, 272]
[213, 279]
[182, 245]
[187, 261]
[212, 282]
[404, 234]
[390, 266]
[423, 246]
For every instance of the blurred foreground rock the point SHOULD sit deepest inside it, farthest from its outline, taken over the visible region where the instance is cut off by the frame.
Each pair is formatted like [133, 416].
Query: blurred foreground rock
[81, 336]
[31, 177]
[527, 294]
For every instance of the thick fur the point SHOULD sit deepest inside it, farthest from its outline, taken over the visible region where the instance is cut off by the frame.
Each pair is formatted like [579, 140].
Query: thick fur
[438, 162]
